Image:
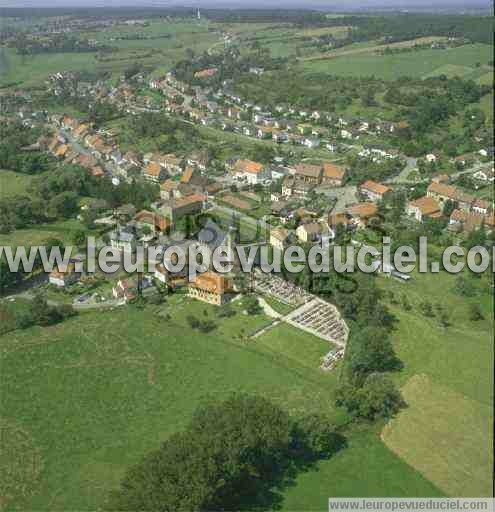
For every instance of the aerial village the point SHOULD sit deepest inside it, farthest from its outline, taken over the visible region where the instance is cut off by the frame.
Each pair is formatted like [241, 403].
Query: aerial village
[313, 201]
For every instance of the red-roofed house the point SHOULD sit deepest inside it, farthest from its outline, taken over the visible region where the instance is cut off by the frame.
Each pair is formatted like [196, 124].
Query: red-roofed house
[333, 174]
[373, 191]
[154, 172]
[424, 207]
[252, 172]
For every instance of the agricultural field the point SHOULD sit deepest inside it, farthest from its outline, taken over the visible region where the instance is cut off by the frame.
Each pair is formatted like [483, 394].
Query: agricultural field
[365, 468]
[447, 383]
[33, 70]
[166, 44]
[450, 393]
[323, 31]
[486, 105]
[417, 63]
[70, 389]
[13, 183]
[148, 376]
[282, 40]
[433, 410]
[374, 47]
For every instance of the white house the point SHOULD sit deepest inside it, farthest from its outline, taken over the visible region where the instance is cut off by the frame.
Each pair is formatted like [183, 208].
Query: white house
[252, 172]
[66, 276]
[312, 232]
[486, 175]
[311, 142]
[122, 240]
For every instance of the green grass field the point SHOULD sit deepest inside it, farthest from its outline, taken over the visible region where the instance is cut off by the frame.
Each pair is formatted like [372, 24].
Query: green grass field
[458, 363]
[13, 183]
[450, 71]
[63, 230]
[416, 63]
[437, 420]
[447, 382]
[97, 392]
[486, 79]
[486, 104]
[366, 468]
[159, 53]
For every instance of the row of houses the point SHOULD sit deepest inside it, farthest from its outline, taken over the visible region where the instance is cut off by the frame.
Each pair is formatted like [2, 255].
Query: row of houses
[154, 167]
[467, 211]
[286, 124]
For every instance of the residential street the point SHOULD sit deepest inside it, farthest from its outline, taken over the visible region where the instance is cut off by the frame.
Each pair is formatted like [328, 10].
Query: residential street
[402, 177]
[109, 167]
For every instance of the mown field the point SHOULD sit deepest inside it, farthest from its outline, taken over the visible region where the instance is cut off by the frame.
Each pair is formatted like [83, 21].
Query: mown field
[419, 63]
[486, 104]
[375, 47]
[94, 394]
[441, 443]
[446, 431]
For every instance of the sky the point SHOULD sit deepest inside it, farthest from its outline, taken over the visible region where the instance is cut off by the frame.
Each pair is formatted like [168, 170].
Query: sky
[314, 4]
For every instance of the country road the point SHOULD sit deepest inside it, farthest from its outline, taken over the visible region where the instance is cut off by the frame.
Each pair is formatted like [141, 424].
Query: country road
[402, 177]
[109, 166]
[78, 307]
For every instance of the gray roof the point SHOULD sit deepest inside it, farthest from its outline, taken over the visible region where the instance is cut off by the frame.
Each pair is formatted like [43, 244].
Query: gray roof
[211, 235]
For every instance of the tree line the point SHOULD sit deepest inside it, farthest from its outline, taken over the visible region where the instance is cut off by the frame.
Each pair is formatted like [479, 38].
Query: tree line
[59, 43]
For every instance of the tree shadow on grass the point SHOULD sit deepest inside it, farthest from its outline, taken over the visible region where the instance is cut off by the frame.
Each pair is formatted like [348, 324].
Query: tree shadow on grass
[265, 491]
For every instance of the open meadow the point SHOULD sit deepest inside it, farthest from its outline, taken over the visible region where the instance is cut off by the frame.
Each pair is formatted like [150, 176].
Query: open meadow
[448, 384]
[158, 45]
[38, 235]
[94, 394]
[13, 183]
[416, 63]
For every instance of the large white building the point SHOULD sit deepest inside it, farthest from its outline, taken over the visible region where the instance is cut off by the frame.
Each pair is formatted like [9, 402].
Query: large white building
[252, 172]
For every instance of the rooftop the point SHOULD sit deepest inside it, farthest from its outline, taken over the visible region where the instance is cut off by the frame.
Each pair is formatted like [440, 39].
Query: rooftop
[375, 187]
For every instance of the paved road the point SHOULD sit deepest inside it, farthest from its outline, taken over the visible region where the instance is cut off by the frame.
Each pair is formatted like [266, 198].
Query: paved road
[411, 166]
[109, 167]
[78, 307]
[345, 196]
[403, 176]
